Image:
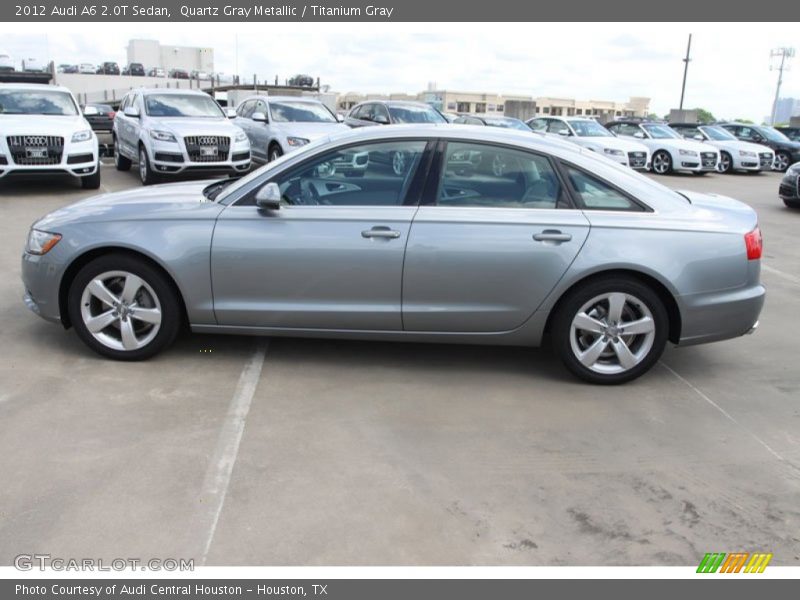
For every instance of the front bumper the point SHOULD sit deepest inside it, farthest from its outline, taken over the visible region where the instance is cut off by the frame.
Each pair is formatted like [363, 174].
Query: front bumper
[705, 162]
[76, 159]
[172, 158]
[41, 277]
[789, 188]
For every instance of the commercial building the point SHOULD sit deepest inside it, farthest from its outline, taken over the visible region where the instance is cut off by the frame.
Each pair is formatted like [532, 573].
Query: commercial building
[152, 53]
[785, 109]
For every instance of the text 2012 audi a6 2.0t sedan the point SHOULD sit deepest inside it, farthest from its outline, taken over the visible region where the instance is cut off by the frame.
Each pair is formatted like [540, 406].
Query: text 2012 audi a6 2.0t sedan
[560, 241]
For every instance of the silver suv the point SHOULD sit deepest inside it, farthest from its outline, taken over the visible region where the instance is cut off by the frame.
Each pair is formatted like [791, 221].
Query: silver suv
[177, 131]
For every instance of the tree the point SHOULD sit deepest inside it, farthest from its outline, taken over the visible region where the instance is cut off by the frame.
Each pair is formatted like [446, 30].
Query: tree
[745, 121]
[704, 116]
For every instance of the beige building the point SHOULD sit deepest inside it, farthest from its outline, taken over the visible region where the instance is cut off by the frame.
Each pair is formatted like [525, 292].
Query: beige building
[154, 54]
[604, 110]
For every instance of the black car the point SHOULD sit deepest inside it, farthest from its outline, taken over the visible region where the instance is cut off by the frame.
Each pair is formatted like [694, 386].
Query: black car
[302, 81]
[108, 68]
[789, 189]
[103, 120]
[793, 133]
[391, 112]
[787, 152]
[134, 69]
[68, 68]
[179, 74]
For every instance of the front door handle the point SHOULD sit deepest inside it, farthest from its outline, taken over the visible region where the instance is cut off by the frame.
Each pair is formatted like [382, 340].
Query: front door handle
[552, 235]
[380, 232]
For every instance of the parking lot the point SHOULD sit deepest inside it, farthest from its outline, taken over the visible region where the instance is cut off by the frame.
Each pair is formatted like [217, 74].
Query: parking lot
[357, 453]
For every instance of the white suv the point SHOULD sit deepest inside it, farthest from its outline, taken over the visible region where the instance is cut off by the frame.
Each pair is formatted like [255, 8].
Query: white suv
[44, 133]
[588, 133]
[669, 151]
[168, 132]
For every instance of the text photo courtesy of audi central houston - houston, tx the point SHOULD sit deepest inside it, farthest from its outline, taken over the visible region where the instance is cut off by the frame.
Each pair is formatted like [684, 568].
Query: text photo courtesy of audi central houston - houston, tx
[399, 294]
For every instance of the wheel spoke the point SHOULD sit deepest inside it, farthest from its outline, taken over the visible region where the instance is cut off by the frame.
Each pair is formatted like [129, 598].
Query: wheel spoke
[129, 341]
[616, 302]
[101, 321]
[626, 359]
[132, 285]
[593, 352]
[147, 315]
[99, 290]
[643, 325]
[584, 322]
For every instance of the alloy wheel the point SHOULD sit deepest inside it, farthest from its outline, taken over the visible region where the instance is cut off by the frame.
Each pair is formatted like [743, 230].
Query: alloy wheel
[661, 163]
[612, 333]
[399, 163]
[121, 310]
[781, 162]
[725, 163]
[142, 165]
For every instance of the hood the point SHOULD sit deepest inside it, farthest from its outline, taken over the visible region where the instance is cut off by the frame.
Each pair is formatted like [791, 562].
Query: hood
[63, 126]
[736, 145]
[309, 131]
[682, 144]
[614, 143]
[184, 126]
[167, 201]
[728, 211]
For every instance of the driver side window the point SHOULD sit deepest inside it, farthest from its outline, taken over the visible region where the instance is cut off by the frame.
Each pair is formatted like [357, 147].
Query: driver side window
[377, 174]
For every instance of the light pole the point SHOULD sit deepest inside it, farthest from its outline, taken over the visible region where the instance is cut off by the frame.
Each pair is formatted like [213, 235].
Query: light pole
[783, 53]
[686, 62]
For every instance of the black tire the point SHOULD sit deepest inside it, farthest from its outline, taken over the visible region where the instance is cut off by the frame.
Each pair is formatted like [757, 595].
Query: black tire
[792, 203]
[122, 163]
[661, 157]
[274, 152]
[92, 182]
[171, 314]
[725, 156]
[561, 328]
[146, 174]
[786, 161]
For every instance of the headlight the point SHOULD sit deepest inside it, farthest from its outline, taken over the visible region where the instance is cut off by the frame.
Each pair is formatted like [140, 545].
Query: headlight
[687, 152]
[613, 152]
[162, 136]
[241, 136]
[747, 153]
[41, 242]
[296, 141]
[82, 136]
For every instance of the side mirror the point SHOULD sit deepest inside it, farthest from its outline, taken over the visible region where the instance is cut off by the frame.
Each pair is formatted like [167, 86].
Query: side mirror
[269, 197]
[131, 111]
[382, 119]
[699, 137]
[639, 135]
[230, 113]
[259, 116]
[564, 132]
[90, 111]
[340, 117]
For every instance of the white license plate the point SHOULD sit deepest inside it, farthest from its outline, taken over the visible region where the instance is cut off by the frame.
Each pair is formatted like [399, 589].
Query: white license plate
[208, 151]
[36, 152]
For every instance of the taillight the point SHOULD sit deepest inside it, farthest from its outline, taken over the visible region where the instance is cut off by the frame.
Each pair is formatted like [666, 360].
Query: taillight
[754, 244]
[111, 114]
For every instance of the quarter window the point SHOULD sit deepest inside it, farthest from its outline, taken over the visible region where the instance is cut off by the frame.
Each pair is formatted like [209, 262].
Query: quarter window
[598, 195]
[479, 175]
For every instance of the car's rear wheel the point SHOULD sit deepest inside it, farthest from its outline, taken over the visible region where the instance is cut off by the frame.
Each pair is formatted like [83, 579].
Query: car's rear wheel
[123, 308]
[610, 330]
[725, 163]
[662, 162]
[145, 169]
[92, 182]
[782, 161]
[122, 163]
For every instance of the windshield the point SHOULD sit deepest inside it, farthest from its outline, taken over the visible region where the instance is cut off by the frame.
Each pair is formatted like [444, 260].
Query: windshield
[415, 114]
[718, 134]
[506, 122]
[661, 132]
[773, 134]
[590, 129]
[38, 102]
[180, 105]
[300, 112]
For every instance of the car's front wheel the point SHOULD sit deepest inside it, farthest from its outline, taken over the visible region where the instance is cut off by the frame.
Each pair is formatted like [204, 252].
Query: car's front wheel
[782, 161]
[146, 173]
[92, 182]
[725, 163]
[123, 308]
[275, 152]
[662, 162]
[122, 163]
[610, 330]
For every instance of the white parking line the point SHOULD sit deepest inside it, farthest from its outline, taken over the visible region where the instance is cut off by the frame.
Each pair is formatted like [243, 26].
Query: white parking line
[728, 416]
[218, 475]
[786, 276]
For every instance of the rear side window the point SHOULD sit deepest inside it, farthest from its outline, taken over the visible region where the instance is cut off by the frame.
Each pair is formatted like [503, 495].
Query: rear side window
[596, 194]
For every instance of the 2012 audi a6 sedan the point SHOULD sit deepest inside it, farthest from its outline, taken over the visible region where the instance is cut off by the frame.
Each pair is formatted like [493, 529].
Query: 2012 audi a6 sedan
[607, 263]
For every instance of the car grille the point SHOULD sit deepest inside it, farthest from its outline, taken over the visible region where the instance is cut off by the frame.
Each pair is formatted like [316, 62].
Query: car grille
[765, 158]
[35, 149]
[637, 159]
[709, 159]
[207, 148]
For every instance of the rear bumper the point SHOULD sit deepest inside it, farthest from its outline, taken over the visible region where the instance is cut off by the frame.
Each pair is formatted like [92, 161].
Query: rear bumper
[720, 315]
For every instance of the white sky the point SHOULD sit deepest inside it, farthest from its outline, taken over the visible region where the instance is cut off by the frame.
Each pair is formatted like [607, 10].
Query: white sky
[729, 74]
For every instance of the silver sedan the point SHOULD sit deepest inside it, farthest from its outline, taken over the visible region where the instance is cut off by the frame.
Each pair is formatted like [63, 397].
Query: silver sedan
[484, 236]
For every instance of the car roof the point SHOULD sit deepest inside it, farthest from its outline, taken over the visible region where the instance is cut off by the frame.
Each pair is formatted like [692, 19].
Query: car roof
[169, 91]
[34, 86]
[269, 98]
[395, 103]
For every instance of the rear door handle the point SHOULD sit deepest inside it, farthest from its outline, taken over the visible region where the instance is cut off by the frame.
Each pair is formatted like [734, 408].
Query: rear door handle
[552, 235]
[380, 232]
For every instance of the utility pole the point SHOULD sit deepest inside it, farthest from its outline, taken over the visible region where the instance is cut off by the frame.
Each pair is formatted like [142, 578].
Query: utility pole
[685, 70]
[782, 53]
